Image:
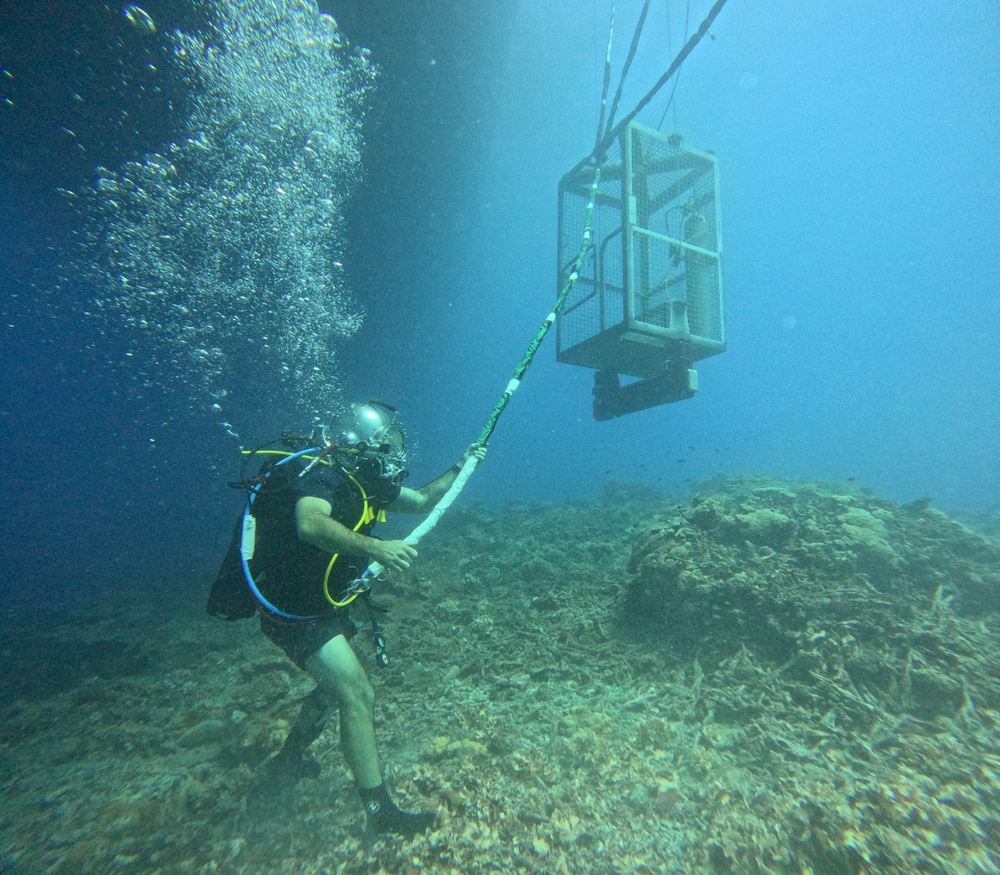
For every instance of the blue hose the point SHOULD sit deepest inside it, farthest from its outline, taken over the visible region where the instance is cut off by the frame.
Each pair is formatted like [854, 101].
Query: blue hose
[271, 609]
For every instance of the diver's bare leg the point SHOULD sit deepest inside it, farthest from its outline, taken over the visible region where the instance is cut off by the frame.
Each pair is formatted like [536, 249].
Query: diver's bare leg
[336, 668]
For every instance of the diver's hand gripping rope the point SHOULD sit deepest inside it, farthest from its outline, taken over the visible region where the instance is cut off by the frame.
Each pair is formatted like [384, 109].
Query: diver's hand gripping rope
[376, 568]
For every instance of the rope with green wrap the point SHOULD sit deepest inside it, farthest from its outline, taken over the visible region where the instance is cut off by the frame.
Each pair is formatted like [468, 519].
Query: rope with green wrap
[588, 231]
[456, 487]
[529, 354]
[607, 76]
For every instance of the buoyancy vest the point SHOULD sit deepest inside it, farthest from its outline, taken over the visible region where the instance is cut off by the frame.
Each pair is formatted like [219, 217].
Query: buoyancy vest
[297, 578]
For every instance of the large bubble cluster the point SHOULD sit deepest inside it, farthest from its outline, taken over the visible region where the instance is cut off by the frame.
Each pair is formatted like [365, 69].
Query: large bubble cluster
[218, 257]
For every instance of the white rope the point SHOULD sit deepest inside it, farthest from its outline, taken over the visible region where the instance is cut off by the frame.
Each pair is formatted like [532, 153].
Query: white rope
[375, 569]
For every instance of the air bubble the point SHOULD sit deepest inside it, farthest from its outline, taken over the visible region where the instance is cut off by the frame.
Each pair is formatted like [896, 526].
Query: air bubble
[224, 248]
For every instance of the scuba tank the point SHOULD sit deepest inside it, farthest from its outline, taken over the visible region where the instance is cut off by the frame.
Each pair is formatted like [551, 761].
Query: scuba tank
[699, 272]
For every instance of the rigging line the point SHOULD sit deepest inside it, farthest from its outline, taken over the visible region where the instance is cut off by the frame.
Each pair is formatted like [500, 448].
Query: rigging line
[673, 68]
[670, 102]
[607, 76]
[673, 91]
[670, 49]
[628, 63]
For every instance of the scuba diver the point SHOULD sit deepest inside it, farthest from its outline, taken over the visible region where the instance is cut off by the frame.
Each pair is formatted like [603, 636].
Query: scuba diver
[297, 559]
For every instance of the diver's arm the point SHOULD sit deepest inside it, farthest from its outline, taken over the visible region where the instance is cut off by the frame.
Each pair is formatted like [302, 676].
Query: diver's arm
[422, 500]
[315, 526]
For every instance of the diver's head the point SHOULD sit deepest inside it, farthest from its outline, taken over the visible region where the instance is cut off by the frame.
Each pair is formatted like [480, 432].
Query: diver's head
[375, 434]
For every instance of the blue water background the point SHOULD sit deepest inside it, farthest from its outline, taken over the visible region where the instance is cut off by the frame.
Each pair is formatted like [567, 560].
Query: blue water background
[859, 150]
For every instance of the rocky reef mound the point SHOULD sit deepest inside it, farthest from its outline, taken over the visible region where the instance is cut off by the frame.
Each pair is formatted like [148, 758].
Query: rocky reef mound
[844, 667]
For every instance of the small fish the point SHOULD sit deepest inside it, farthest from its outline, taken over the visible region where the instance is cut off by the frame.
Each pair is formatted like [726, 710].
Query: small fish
[140, 19]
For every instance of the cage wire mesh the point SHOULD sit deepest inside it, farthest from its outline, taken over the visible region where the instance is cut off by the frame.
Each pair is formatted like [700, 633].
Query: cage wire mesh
[652, 279]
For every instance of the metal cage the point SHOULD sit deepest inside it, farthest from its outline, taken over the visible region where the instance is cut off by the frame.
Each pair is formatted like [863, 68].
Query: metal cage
[648, 301]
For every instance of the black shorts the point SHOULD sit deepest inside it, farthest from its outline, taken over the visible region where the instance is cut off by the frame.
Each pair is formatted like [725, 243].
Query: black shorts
[302, 639]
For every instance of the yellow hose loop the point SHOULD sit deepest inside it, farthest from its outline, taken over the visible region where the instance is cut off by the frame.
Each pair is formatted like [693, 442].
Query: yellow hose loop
[367, 515]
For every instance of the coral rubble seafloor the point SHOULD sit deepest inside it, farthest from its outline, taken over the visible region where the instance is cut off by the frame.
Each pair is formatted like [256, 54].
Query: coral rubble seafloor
[768, 676]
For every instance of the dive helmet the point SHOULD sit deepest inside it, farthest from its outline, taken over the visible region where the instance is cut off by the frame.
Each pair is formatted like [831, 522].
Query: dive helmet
[376, 432]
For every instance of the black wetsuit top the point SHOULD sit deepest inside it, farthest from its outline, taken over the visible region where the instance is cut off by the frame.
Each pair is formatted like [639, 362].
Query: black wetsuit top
[288, 571]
